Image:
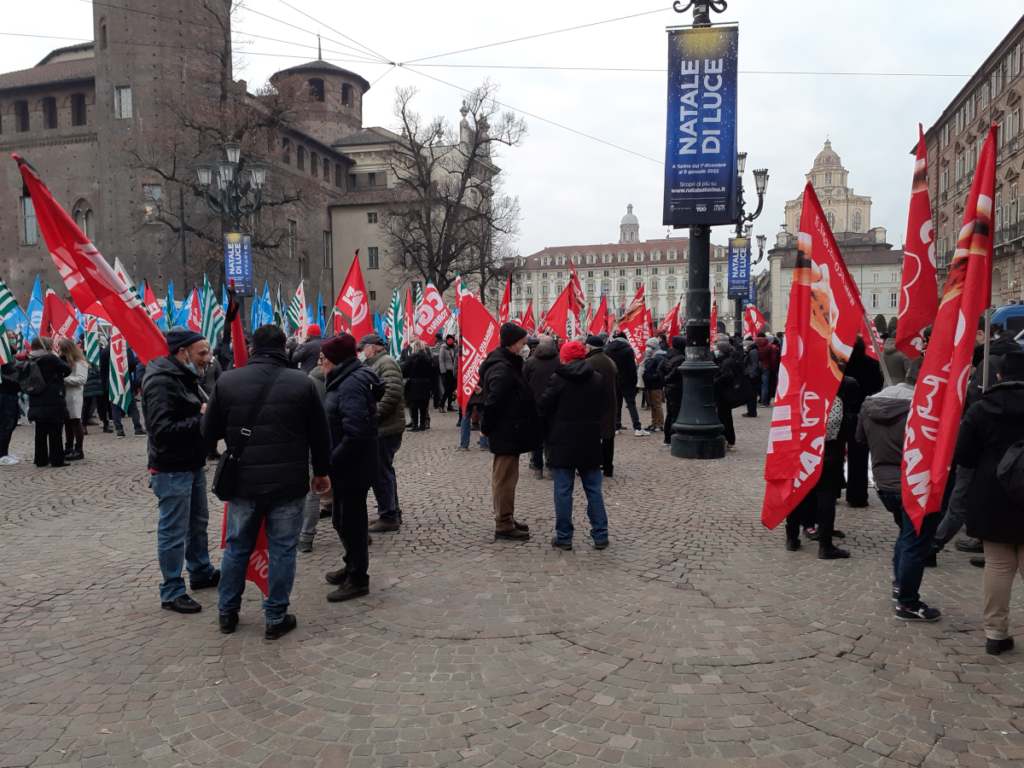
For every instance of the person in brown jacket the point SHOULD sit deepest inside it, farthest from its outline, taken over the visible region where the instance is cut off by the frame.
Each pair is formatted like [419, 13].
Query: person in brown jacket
[604, 365]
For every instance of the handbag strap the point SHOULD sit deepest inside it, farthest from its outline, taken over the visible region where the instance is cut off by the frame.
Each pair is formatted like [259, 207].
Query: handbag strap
[254, 413]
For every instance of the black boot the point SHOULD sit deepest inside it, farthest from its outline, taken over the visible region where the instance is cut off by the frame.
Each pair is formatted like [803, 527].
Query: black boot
[828, 551]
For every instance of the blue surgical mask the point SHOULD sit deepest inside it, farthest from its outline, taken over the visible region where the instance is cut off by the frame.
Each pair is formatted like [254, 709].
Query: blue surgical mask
[190, 365]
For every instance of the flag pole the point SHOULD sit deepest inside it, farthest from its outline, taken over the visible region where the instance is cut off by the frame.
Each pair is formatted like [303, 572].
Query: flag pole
[984, 362]
[869, 324]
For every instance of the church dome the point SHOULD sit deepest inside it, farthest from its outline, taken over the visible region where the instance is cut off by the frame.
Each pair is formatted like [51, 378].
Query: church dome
[629, 218]
[828, 158]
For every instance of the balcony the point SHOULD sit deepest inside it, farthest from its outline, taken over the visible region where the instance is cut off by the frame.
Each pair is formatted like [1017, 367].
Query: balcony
[1008, 234]
[1008, 150]
[944, 259]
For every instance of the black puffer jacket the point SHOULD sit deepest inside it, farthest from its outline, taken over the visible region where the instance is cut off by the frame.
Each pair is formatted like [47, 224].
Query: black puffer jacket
[290, 428]
[996, 349]
[9, 379]
[50, 404]
[352, 415]
[170, 405]
[306, 356]
[989, 427]
[622, 355]
[419, 370]
[572, 405]
[510, 413]
[538, 369]
[670, 370]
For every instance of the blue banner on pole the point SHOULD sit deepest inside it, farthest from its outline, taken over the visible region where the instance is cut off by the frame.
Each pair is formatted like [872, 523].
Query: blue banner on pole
[700, 149]
[739, 267]
[238, 263]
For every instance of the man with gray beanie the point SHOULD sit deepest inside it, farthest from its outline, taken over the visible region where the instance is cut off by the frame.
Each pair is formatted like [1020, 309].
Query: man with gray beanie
[390, 427]
[173, 405]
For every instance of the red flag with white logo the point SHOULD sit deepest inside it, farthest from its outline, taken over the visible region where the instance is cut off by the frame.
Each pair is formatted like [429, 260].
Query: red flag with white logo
[195, 311]
[870, 334]
[600, 317]
[153, 307]
[479, 332]
[634, 324]
[919, 295]
[505, 308]
[351, 308]
[562, 318]
[938, 405]
[91, 281]
[432, 315]
[58, 321]
[753, 321]
[824, 318]
[529, 324]
[670, 325]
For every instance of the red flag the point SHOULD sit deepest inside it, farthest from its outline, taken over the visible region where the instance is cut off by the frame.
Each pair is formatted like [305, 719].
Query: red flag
[479, 332]
[919, 295]
[529, 324]
[195, 311]
[634, 325]
[234, 319]
[714, 317]
[824, 316]
[670, 325]
[153, 307]
[409, 323]
[942, 384]
[432, 315]
[505, 308]
[590, 317]
[600, 318]
[753, 321]
[352, 308]
[577, 290]
[58, 322]
[561, 318]
[611, 319]
[88, 277]
[869, 332]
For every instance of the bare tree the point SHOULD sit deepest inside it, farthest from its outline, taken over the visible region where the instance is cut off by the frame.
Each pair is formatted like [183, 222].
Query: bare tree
[446, 213]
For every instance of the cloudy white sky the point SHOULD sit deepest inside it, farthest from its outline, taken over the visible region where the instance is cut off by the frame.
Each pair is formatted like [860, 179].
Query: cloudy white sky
[574, 189]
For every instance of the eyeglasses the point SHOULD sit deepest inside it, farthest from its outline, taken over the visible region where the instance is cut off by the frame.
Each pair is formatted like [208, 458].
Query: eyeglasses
[321, 357]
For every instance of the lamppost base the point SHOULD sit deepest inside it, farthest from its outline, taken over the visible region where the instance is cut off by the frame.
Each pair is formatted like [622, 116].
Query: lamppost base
[697, 432]
[694, 447]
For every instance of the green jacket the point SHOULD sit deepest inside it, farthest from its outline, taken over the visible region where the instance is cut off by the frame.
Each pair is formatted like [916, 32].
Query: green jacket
[391, 408]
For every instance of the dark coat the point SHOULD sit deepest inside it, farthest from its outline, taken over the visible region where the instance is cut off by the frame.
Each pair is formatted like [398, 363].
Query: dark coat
[572, 405]
[539, 367]
[306, 356]
[418, 368]
[352, 415]
[670, 370]
[619, 351]
[51, 403]
[391, 408]
[881, 425]
[290, 428]
[866, 371]
[996, 349]
[989, 427]
[9, 379]
[93, 383]
[600, 362]
[170, 405]
[510, 413]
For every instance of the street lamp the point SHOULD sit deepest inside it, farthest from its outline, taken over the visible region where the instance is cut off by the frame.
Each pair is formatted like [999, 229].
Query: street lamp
[233, 200]
[743, 221]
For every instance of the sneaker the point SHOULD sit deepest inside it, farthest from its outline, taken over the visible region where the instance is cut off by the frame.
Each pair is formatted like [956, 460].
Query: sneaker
[120, 433]
[811, 533]
[977, 562]
[383, 525]
[641, 433]
[140, 432]
[792, 543]
[995, 647]
[228, 622]
[921, 613]
[618, 432]
[347, 591]
[305, 546]
[463, 448]
[9, 461]
[209, 583]
[74, 456]
[895, 593]
[968, 544]
[183, 604]
[282, 628]
[557, 543]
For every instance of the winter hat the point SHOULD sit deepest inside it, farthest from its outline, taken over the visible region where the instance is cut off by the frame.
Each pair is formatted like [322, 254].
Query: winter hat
[339, 348]
[652, 344]
[179, 337]
[679, 342]
[573, 350]
[532, 341]
[510, 333]
[372, 338]
[313, 331]
[595, 341]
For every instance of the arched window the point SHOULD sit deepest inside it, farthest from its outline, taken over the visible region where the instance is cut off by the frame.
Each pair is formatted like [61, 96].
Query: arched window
[671, 254]
[828, 178]
[78, 114]
[21, 116]
[49, 113]
[346, 95]
[316, 89]
[856, 221]
[560, 260]
[314, 164]
[301, 158]
[831, 217]
[591, 258]
[575, 258]
[337, 175]
[655, 255]
[623, 256]
[286, 153]
[606, 258]
[327, 170]
[84, 219]
[103, 34]
[638, 256]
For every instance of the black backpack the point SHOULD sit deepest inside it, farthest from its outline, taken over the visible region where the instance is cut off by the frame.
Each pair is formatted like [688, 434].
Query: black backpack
[1010, 471]
[30, 378]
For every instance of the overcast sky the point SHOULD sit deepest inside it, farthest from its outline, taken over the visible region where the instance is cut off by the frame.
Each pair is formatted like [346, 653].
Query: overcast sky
[574, 189]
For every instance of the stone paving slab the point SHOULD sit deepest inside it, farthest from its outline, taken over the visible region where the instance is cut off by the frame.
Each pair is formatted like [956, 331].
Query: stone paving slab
[695, 639]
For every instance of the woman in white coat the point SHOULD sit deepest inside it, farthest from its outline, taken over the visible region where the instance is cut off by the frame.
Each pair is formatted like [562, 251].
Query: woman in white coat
[74, 430]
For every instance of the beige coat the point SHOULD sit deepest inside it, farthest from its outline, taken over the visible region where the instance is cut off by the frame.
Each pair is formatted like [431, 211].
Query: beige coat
[74, 386]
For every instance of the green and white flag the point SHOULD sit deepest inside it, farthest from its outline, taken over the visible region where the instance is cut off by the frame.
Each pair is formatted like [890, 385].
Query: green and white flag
[297, 317]
[121, 272]
[92, 341]
[394, 325]
[279, 318]
[7, 300]
[212, 325]
[6, 353]
[120, 386]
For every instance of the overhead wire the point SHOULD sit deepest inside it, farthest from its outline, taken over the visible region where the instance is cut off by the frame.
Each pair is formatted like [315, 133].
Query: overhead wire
[662, 70]
[318, 21]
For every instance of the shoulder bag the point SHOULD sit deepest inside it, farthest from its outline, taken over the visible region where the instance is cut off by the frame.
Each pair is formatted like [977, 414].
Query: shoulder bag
[225, 479]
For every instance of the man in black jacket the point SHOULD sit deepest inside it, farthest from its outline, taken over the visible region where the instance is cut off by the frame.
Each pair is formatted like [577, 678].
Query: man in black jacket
[173, 406]
[674, 358]
[288, 431]
[510, 422]
[306, 355]
[600, 362]
[621, 353]
[537, 369]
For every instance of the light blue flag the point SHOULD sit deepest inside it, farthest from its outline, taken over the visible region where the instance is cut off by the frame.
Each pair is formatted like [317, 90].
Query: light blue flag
[170, 308]
[224, 297]
[35, 312]
[186, 308]
[266, 306]
[320, 320]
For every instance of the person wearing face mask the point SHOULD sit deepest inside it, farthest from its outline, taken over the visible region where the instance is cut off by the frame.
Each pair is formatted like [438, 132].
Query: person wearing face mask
[173, 404]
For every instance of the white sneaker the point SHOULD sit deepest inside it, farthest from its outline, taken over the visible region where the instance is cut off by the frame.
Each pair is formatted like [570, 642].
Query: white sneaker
[618, 432]
[642, 433]
[9, 460]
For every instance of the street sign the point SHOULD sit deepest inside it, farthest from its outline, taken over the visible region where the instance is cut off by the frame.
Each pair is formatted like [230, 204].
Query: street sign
[238, 263]
[739, 268]
[700, 149]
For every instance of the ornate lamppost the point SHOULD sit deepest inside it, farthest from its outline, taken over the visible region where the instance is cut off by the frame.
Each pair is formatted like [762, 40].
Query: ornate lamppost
[743, 220]
[233, 200]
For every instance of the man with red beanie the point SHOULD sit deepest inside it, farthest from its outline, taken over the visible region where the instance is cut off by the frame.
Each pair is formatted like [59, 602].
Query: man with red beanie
[306, 354]
[572, 404]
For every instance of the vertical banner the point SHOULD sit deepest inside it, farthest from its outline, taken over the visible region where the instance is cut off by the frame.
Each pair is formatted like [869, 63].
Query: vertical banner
[739, 267]
[238, 263]
[700, 147]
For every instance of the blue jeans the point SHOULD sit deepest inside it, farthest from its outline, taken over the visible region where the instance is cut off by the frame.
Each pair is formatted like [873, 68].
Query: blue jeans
[181, 529]
[910, 550]
[283, 522]
[133, 410]
[467, 422]
[591, 480]
[766, 376]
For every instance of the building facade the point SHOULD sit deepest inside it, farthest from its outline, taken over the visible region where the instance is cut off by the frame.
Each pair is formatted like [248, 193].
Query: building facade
[875, 266]
[992, 95]
[618, 270]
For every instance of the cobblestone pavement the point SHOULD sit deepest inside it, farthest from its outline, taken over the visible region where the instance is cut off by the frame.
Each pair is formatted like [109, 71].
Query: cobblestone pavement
[695, 639]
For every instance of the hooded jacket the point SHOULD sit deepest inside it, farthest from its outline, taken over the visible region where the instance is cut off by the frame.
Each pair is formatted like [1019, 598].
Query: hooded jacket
[768, 354]
[882, 423]
[510, 413]
[448, 358]
[352, 415]
[306, 356]
[538, 369]
[289, 432]
[619, 351]
[51, 403]
[600, 362]
[895, 362]
[391, 408]
[989, 427]
[170, 406]
[572, 405]
[670, 371]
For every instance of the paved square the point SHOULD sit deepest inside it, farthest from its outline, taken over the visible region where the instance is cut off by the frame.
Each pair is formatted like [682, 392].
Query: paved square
[695, 639]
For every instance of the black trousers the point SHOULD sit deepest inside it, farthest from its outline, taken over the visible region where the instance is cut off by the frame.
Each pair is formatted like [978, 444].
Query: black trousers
[348, 514]
[856, 473]
[49, 444]
[418, 409]
[449, 389]
[821, 499]
[608, 456]
[725, 416]
[672, 400]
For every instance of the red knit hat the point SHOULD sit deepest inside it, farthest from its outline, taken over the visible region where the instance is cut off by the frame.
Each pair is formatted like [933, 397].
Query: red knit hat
[573, 350]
